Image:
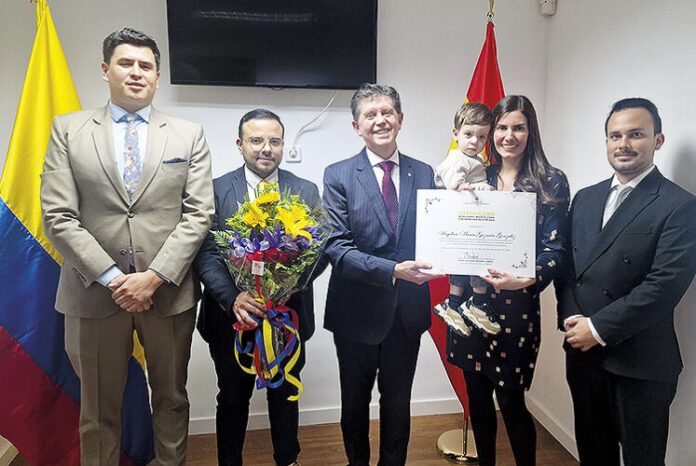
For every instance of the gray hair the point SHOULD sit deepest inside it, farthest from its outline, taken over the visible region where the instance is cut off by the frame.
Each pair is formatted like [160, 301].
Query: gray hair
[370, 91]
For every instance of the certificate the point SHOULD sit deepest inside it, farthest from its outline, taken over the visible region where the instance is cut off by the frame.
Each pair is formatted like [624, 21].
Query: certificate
[466, 232]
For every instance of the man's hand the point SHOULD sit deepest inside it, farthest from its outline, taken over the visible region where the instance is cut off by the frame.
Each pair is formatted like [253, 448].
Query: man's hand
[579, 335]
[501, 280]
[244, 305]
[411, 271]
[133, 292]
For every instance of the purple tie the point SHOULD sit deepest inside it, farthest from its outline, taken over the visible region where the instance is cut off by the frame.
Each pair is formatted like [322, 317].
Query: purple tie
[389, 193]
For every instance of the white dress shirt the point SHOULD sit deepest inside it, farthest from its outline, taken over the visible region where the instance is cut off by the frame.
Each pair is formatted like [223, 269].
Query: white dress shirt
[375, 160]
[253, 181]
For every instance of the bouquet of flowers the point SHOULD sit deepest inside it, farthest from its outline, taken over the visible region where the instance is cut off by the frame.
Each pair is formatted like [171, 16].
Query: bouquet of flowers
[271, 247]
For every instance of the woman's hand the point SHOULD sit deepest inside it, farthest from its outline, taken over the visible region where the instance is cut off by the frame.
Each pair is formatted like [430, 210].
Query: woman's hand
[501, 280]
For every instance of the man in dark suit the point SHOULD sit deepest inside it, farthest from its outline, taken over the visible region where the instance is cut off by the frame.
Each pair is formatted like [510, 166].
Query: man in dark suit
[378, 303]
[633, 257]
[261, 144]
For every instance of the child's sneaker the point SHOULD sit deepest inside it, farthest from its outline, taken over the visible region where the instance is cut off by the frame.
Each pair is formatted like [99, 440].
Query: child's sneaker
[452, 318]
[481, 317]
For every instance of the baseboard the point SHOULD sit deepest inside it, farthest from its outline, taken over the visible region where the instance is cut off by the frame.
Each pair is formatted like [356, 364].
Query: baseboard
[550, 423]
[332, 414]
[7, 452]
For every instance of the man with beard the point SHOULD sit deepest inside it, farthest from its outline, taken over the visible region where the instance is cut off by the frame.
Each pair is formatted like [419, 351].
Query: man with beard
[261, 145]
[633, 257]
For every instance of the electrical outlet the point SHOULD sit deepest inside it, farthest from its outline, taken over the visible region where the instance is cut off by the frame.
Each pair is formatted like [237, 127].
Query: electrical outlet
[294, 155]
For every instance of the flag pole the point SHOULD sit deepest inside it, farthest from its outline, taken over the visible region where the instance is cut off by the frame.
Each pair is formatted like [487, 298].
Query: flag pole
[457, 445]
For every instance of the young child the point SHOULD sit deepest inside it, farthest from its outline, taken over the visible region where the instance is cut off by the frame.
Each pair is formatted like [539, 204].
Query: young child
[461, 170]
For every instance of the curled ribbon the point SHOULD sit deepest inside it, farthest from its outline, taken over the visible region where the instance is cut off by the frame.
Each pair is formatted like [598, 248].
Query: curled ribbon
[270, 368]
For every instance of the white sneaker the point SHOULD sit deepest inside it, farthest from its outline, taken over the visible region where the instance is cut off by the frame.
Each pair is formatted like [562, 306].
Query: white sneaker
[480, 317]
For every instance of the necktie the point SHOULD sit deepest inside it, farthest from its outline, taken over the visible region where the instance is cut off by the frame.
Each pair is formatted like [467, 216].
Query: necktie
[389, 193]
[132, 164]
[622, 191]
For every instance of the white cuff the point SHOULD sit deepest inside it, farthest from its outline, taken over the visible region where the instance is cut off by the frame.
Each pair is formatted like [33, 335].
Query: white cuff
[111, 273]
[565, 321]
[594, 332]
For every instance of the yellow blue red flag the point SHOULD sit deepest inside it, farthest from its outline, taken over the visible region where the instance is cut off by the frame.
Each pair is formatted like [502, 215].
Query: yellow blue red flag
[39, 391]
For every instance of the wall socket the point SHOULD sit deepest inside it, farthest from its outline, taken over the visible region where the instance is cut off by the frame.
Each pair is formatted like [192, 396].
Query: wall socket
[294, 155]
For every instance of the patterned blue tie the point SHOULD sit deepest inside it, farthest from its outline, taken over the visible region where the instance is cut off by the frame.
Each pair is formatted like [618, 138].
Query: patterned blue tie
[132, 164]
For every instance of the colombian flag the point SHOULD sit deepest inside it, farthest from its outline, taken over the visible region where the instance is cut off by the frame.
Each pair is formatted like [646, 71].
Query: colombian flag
[486, 87]
[39, 391]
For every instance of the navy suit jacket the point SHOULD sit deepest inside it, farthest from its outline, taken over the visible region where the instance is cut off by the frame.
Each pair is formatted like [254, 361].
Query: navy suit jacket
[362, 297]
[629, 276]
[216, 317]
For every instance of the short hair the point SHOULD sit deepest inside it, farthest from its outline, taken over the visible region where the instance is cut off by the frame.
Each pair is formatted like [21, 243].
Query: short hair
[129, 36]
[370, 91]
[473, 113]
[636, 102]
[259, 114]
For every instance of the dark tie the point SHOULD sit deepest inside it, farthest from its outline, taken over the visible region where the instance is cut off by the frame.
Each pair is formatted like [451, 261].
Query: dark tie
[389, 193]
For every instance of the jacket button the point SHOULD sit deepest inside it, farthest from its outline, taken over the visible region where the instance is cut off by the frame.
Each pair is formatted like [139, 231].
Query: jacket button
[130, 214]
[626, 259]
[605, 292]
[123, 252]
[578, 283]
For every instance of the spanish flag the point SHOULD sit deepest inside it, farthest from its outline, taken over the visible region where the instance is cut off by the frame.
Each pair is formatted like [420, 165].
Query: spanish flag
[486, 87]
[39, 391]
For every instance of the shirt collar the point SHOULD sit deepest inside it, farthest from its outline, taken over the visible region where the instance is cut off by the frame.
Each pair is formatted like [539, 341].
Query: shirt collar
[117, 112]
[376, 159]
[253, 179]
[634, 182]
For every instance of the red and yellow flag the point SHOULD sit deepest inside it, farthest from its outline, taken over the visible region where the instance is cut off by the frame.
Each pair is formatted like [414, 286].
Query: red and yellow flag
[486, 87]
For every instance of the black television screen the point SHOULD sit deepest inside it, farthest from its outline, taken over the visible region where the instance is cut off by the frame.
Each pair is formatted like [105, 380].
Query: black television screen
[330, 44]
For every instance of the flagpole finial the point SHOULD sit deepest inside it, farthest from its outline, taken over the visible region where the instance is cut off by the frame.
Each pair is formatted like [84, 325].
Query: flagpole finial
[490, 13]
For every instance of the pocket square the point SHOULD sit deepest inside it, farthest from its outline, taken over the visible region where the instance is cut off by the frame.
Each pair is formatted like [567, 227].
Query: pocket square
[175, 160]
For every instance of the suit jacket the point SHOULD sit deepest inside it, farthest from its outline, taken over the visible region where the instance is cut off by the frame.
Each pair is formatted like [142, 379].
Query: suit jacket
[629, 275]
[362, 297]
[92, 222]
[216, 317]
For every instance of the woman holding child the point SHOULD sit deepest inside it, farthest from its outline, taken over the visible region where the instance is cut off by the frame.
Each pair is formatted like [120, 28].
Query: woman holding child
[503, 361]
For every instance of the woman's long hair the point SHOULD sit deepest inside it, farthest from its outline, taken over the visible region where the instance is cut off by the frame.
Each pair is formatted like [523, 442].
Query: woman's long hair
[535, 171]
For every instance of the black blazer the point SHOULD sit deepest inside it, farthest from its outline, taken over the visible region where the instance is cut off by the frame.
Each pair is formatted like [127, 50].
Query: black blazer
[216, 317]
[629, 276]
[362, 298]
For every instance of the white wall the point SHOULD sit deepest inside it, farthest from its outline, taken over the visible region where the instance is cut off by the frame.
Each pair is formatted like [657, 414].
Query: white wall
[572, 66]
[600, 52]
[427, 50]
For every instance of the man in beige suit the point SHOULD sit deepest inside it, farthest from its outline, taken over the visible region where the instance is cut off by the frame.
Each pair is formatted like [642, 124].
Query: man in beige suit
[127, 199]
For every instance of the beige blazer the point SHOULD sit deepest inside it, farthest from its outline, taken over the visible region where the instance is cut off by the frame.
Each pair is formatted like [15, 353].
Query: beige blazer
[91, 221]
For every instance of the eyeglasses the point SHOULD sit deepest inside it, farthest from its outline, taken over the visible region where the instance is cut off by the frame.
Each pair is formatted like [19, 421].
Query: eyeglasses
[259, 142]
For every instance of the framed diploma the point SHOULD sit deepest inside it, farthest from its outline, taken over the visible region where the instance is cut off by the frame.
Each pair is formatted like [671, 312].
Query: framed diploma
[466, 232]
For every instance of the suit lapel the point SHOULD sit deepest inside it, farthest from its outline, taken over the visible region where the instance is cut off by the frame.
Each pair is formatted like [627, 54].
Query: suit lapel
[103, 138]
[405, 190]
[589, 225]
[156, 143]
[642, 196]
[239, 185]
[366, 178]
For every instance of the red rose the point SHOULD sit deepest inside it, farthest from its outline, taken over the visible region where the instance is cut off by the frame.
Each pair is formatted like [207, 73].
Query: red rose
[272, 254]
[292, 255]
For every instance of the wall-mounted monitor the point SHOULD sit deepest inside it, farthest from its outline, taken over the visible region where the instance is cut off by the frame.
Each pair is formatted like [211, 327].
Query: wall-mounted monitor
[330, 44]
